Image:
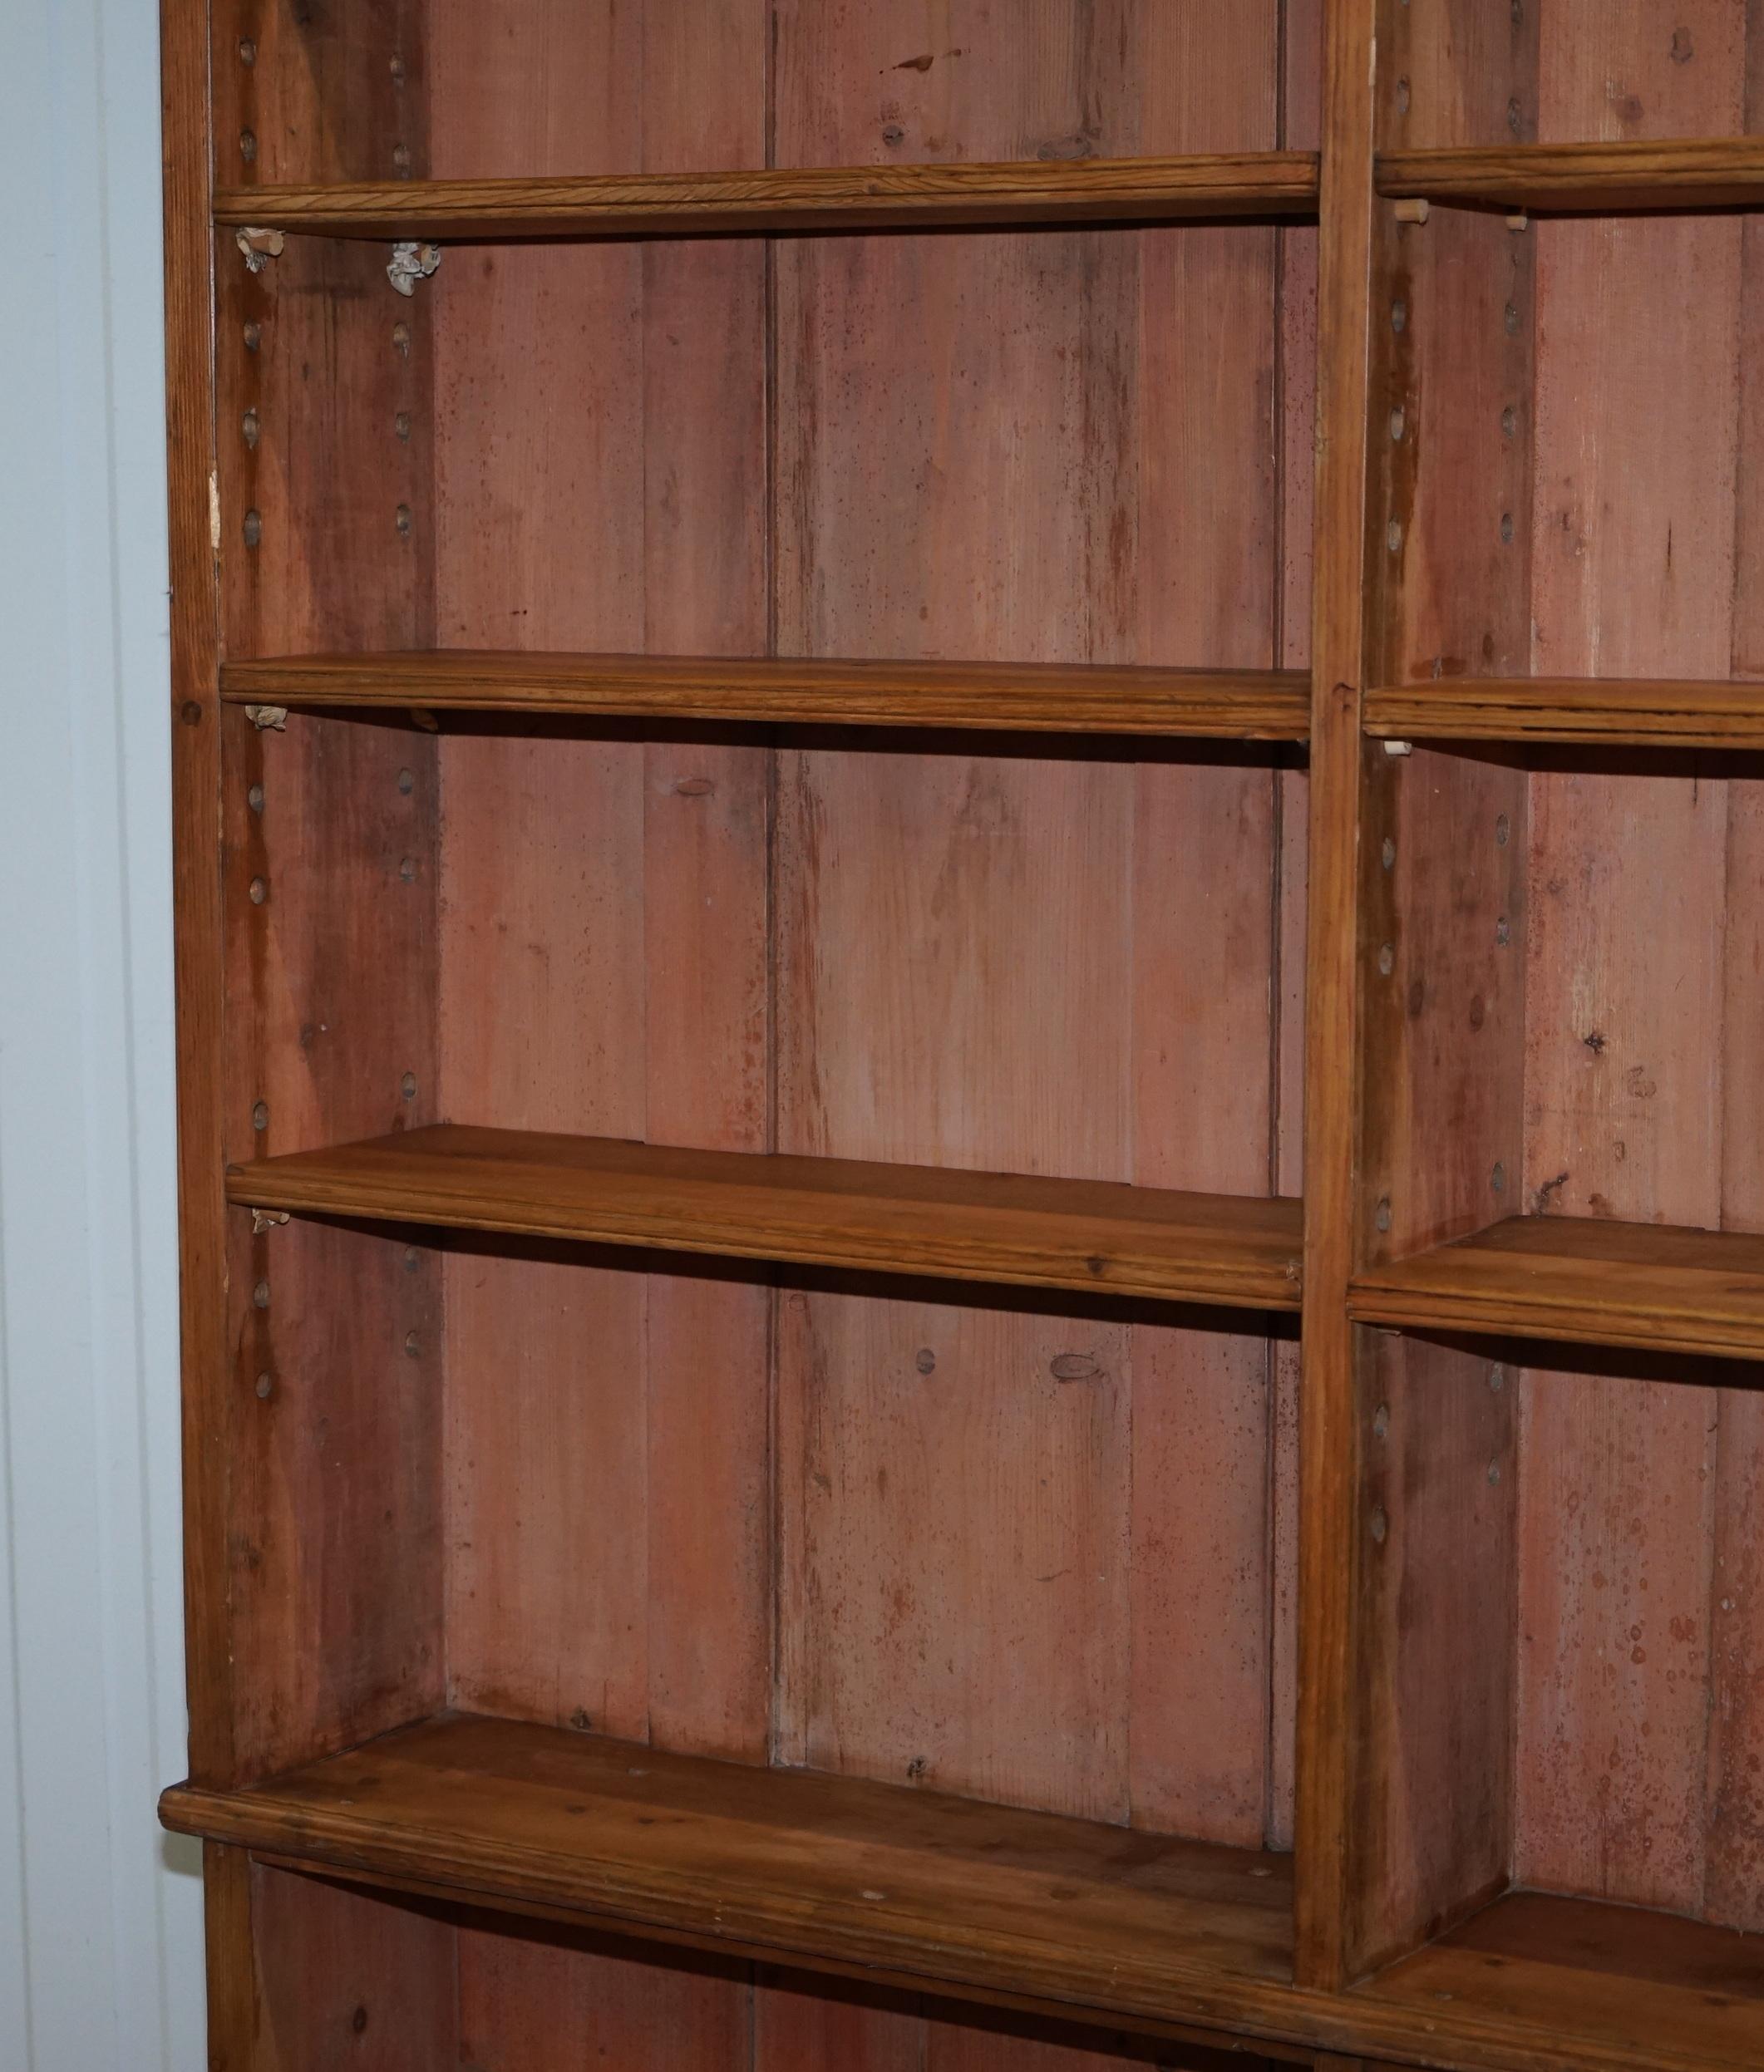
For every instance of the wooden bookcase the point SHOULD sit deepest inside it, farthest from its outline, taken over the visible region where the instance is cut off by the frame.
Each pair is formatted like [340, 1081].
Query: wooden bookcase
[953, 653]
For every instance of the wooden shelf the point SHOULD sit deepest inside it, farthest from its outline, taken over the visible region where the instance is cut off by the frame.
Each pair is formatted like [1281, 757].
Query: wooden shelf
[1213, 1248]
[845, 1874]
[828, 1869]
[812, 197]
[1582, 178]
[1584, 1280]
[1238, 704]
[1666, 714]
[1628, 1985]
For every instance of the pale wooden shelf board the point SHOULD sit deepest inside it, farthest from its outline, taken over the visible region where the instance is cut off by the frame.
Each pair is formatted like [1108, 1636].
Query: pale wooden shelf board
[1239, 1251]
[1267, 183]
[1238, 704]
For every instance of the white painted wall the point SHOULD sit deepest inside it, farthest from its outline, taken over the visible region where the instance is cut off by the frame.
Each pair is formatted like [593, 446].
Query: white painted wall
[99, 1916]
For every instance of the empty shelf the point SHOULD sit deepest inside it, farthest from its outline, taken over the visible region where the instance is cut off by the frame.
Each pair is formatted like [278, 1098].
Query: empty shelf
[1597, 179]
[1585, 1280]
[822, 1867]
[812, 197]
[1214, 1248]
[1715, 713]
[1243, 704]
[1607, 1985]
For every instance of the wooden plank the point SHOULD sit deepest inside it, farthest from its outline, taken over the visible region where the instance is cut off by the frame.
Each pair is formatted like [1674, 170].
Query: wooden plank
[628, 939]
[1438, 1589]
[954, 1568]
[1211, 582]
[1644, 1987]
[1237, 705]
[796, 2029]
[207, 1408]
[1423, 1540]
[1641, 712]
[1057, 1910]
[1583, 1278]
[1096, 1235]
[1329, 1449]
[344, 1976]
[1296, 260]
[996, 902]
[1733, 1891]
[1625, 1068]
[836, 1866]
[1599, 179]
[777, 199]
[530, 2002]
[334, 1557]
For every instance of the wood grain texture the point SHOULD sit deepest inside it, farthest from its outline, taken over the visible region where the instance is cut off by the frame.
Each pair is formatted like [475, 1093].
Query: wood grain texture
[343, 1977]
[1639, 1987]
[955, 1571]
[193, 715]
[833, 1865]
[599, 431]
[1599, 179]
[1642, 713]
[1235, 705]
[1051, 1910]
[979, 953]
[1087, 1235]
[777, 199]
[529, 2003]
[1585, 1278]
[1625, 1069]
[1329, 1509]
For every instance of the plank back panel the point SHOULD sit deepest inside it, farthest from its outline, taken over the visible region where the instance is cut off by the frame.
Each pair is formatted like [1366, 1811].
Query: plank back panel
[342, 1978]
[1627, 1486]
[599, 418]
[980, 959]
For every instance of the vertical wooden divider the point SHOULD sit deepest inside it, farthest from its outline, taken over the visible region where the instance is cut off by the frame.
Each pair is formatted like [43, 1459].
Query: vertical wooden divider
[1331, 1521]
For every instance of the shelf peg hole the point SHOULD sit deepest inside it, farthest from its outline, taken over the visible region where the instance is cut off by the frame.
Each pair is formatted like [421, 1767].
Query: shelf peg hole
[1497, 1179]
[1399, 425]
[260, 1114]
[1386, 958]
[1381, 1215]
[259, 892]
[255, 797]
[407, 1086]
[1387, 854]
[1503, 830]
[1381, 1524]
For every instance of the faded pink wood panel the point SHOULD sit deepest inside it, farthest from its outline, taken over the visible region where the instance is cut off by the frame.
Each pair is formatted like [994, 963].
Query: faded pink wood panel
[535, 2003]
[799, 2028]
[1096, 479]
[1625, 1058]
[601, 457]
[345, 1979]
[336, 1550]
[954, 1516]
